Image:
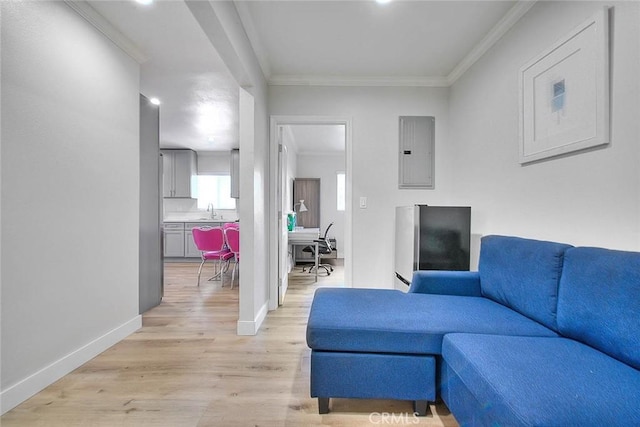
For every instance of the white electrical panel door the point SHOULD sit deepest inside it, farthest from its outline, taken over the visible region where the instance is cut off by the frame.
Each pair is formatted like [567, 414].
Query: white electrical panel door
[417, 142]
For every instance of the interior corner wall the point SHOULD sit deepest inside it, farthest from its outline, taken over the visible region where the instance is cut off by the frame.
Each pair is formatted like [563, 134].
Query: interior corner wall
[254, 204]
[70, 141]
[222, 24]
[375, 112]
[261, 204]
[258, 172]
[325, 167]
[587, 198]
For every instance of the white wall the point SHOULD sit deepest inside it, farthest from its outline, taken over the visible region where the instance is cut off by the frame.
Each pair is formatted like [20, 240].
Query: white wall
[70, 143]
[374, 112]
[256, 177]
[589, 198]
[221, 23]
[325, 167]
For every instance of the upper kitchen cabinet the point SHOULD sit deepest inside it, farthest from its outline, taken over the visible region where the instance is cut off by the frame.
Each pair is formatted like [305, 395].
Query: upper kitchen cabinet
[235, 174]
[180, 173]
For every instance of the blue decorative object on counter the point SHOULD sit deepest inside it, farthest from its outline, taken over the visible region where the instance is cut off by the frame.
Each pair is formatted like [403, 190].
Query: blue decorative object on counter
[291, 221]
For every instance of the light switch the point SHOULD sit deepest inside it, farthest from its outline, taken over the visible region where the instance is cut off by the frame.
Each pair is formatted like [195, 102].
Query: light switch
[363, 202]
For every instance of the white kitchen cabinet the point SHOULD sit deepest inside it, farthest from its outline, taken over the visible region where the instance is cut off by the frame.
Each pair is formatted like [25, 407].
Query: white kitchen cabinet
[190, 249]
[180, 173]
[178, 238]
[167, 174]
[173, 239]
[235, 174]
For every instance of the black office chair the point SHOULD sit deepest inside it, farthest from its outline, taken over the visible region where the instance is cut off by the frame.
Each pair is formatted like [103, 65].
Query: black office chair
[324, 248]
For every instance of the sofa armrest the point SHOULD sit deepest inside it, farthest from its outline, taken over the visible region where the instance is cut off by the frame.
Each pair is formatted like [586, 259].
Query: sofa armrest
[462, 283]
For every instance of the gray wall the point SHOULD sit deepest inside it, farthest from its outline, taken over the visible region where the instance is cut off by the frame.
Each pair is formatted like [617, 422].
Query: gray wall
[70, 170]
[151, 251]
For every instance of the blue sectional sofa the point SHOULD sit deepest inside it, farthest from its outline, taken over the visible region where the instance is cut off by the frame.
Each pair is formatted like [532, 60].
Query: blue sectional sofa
[544, 334]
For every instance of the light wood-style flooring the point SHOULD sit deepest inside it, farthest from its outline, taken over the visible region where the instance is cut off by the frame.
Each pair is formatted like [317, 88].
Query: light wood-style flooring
[187, 367]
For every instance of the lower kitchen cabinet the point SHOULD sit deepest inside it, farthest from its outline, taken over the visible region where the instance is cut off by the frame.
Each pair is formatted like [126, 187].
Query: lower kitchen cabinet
[190, 249]
[174, 239]
[178, 239]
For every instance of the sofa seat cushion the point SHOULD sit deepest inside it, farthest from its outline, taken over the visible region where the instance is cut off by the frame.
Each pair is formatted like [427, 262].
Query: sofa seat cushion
[390, 321]
[535, 381]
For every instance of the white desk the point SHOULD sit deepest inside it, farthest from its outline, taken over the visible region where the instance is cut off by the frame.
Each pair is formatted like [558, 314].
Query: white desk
[306, 237]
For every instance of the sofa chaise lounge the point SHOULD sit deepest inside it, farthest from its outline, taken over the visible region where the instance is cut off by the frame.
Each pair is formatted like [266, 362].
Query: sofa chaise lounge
[543, 334]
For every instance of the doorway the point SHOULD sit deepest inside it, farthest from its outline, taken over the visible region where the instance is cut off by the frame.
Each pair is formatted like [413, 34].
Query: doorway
[298, 134]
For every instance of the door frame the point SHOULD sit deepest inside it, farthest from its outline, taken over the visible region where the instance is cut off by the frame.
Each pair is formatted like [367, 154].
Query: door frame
[275, 122]
[283, 160]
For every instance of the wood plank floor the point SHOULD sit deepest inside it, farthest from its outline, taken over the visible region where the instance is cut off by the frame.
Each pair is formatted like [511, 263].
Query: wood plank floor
[187, 367]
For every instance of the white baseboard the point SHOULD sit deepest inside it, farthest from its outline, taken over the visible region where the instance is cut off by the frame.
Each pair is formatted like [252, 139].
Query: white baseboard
[251, 327]
[18, 393]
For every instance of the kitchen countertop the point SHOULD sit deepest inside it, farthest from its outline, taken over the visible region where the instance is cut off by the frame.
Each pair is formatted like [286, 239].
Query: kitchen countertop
[203, 220]
[195, 220]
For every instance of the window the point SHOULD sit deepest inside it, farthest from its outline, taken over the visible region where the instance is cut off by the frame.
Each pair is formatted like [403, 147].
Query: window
[215, 189]
[341, 191]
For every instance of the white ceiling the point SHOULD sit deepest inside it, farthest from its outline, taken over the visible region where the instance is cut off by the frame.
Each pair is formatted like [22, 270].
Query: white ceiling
[300, 42]
[364, 39]
[313, 139]
[199, 97]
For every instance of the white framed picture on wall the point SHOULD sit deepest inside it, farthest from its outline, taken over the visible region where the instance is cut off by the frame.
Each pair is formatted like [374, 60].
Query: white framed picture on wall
[564, 94]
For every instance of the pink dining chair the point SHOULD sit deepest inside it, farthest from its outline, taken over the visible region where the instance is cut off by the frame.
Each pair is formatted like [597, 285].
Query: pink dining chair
[231, 225]
[210, 241]
[232, 235]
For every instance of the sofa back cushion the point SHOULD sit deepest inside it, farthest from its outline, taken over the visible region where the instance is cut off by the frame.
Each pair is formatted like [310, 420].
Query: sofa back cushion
[599, 301]
[523, 274]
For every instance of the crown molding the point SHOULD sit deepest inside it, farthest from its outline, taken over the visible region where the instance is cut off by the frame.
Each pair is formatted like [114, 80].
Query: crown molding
[408, 81]
[500, 29]
[85, 10]
[254, 38]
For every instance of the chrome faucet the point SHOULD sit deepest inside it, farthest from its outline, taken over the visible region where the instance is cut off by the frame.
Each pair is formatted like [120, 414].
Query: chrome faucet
[210, 209]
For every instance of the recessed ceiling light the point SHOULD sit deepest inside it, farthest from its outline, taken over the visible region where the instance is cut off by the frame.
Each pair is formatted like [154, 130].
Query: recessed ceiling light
[154, 101]
[383, 1]
[145, 2]
[210, 139]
